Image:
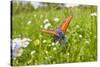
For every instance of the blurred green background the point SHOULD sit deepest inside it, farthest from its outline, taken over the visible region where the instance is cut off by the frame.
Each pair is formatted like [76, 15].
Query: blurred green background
[27, 21]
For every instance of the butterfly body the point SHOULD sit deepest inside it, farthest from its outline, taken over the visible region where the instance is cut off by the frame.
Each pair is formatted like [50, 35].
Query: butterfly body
[59, 34]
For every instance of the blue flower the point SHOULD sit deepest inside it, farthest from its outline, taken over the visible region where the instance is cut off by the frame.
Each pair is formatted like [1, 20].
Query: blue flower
[17, 45]
[16, 50]
[22, 42]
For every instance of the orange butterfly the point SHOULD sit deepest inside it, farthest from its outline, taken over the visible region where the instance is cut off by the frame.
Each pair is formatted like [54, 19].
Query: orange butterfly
[60, 31]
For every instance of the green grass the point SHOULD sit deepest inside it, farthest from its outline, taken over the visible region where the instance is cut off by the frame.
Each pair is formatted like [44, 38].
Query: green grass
[77, 50]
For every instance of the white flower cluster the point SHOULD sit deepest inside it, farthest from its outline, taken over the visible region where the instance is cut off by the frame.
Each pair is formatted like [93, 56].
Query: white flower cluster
[56, 19]
[93, 14]
[17, 45]
[46, 23]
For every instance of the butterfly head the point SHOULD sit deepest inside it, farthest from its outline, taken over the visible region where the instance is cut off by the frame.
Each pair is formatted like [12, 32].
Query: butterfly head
[61, 37]
[61, 34]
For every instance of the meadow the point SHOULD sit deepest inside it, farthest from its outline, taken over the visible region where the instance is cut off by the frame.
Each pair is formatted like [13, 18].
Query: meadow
[81, 34]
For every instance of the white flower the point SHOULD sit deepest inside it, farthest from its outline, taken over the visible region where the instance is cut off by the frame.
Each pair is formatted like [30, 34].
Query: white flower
[80, 36]
[26, 39]
[29, 22]
[87, 42]
[33, 52]
[56, 19]
[25, 42]
[41, 26]
[40, 36]
[16, 41]
[36, 5]
[57, 43]
[53, 43]
[77, 26]
[41, 16]
[46, 52]
[71, 5]
[17, 51]
[13, 44]
[54, 48]
[46, 58]
[46, 21]
[35, 15]
[44, 41]
[68, 54]
[22, 42]
[95, 37]
[47, 25]
[50, 56]
[93, 14]
[36, 42]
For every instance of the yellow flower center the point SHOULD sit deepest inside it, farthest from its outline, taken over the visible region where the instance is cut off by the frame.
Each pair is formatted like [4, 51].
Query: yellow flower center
[17, 51]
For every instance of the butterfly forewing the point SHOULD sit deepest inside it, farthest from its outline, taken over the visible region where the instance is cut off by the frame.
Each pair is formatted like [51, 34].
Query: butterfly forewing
[65, 24]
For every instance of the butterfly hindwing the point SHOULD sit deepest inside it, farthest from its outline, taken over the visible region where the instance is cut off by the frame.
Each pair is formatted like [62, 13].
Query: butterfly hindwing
[50, 32]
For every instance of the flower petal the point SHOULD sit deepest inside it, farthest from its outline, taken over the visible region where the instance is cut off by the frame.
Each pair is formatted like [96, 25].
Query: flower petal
[17, 52]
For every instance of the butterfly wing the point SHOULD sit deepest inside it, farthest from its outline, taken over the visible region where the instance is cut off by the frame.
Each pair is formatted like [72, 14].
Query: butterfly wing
[65, 24]
[50, 32]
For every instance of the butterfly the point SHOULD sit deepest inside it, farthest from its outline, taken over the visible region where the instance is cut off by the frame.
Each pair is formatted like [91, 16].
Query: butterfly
[59, 33]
